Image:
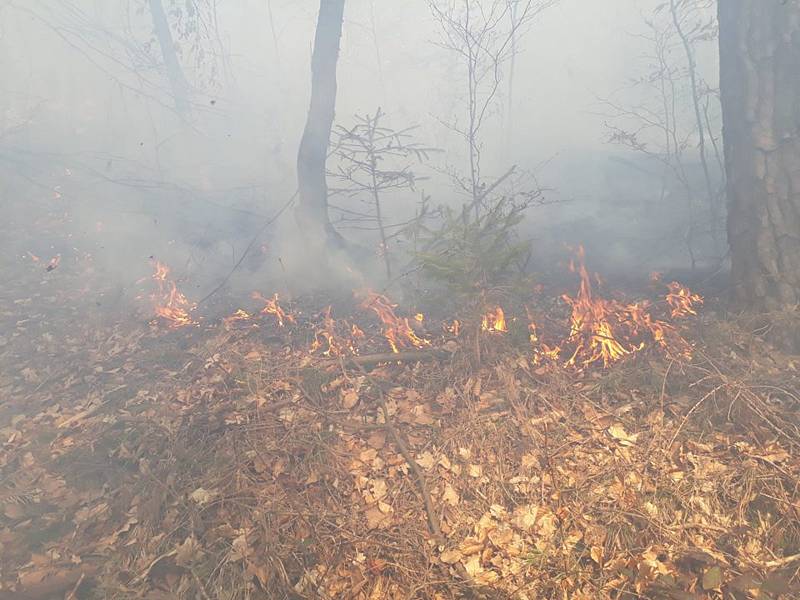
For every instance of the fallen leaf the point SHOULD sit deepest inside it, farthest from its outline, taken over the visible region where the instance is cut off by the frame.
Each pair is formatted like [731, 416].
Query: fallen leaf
[426, 460]
[451, 556]
[450, 495]
[201, 496]
[349, 399]
[618, 432]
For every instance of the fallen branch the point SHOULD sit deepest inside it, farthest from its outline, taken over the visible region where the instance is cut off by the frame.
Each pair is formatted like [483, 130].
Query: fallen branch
[425, 355]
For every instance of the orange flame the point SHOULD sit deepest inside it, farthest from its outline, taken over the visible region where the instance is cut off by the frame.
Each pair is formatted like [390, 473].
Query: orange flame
[682, 300]
[331, 343]
[604, 330]
[170, 304]
[239, 315]
[397, 330]
[494, 321]
[454, 327]
[272, 307]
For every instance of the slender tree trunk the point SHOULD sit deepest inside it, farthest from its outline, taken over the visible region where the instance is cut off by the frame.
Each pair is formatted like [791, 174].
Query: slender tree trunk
[701, 129]
[760, 85]
[312, 213]
[177, 80]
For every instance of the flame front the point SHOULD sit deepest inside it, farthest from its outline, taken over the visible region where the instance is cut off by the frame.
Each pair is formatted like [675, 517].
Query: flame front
[170, 304]
[606, 331]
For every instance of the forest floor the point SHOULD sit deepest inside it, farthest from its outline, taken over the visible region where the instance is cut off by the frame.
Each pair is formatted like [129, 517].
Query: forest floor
[228, 461]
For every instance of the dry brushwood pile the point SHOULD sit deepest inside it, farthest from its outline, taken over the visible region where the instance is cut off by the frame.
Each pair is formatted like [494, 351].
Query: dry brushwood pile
[290, 454]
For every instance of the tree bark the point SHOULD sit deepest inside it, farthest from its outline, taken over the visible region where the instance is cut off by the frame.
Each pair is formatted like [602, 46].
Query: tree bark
[312, 213]
[177, 80]
[760, 87]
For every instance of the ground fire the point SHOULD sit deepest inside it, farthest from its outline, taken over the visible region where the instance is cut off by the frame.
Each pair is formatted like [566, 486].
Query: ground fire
[170, 305]
[600, 331]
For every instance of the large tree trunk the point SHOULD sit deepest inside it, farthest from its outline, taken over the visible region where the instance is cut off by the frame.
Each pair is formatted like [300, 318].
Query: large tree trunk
[760, 86]
[177, 80]
[312, 212]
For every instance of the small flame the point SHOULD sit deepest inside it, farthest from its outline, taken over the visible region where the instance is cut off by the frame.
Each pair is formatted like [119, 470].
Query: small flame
[495, 321]
[273, 307]
[330, 342]
[454, 327]
[682, 300]
[53, 264]
[238, 316]
[170, 304]
[397, 330]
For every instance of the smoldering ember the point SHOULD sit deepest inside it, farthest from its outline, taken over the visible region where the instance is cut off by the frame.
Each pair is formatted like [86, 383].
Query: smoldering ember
[367, 299]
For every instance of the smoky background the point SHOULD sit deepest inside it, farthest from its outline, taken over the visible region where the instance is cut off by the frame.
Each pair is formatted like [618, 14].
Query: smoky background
[98, 162]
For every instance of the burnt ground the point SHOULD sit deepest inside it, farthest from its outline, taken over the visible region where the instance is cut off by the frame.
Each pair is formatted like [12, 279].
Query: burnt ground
[230, 462]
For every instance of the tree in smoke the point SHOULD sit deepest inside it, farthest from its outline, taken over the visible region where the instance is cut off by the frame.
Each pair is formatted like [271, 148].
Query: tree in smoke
[312, 213]
[760, 88]
[484, 34]
[475, 251]
[177, 79]
[675, 123]
[374, 159]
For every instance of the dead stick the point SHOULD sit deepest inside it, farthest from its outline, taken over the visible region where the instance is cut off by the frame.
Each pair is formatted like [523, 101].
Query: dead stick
[428, 354]
[433, 520]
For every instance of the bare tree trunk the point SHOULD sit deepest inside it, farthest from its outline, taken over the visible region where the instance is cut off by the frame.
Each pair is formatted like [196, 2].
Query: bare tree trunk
[760, 86]
[312, 213]
[177, 80]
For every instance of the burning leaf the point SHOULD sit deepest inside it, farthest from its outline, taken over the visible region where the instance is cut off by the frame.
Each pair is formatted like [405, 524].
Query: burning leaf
[273, 307]
[170, 304]
[53, 264]
[494, 321]
[397, 331]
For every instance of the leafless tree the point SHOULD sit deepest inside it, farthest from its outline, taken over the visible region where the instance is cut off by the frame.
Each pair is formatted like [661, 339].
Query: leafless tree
[674, 121]
[484, 34]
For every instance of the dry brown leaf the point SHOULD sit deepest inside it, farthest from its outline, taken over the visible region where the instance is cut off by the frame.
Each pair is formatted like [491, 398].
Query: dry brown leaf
[187, 552]
[202, 496]
[349, 399]
[426, 460]
[450, 495]
[617, 431]
[473, 566]
[450, 556]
